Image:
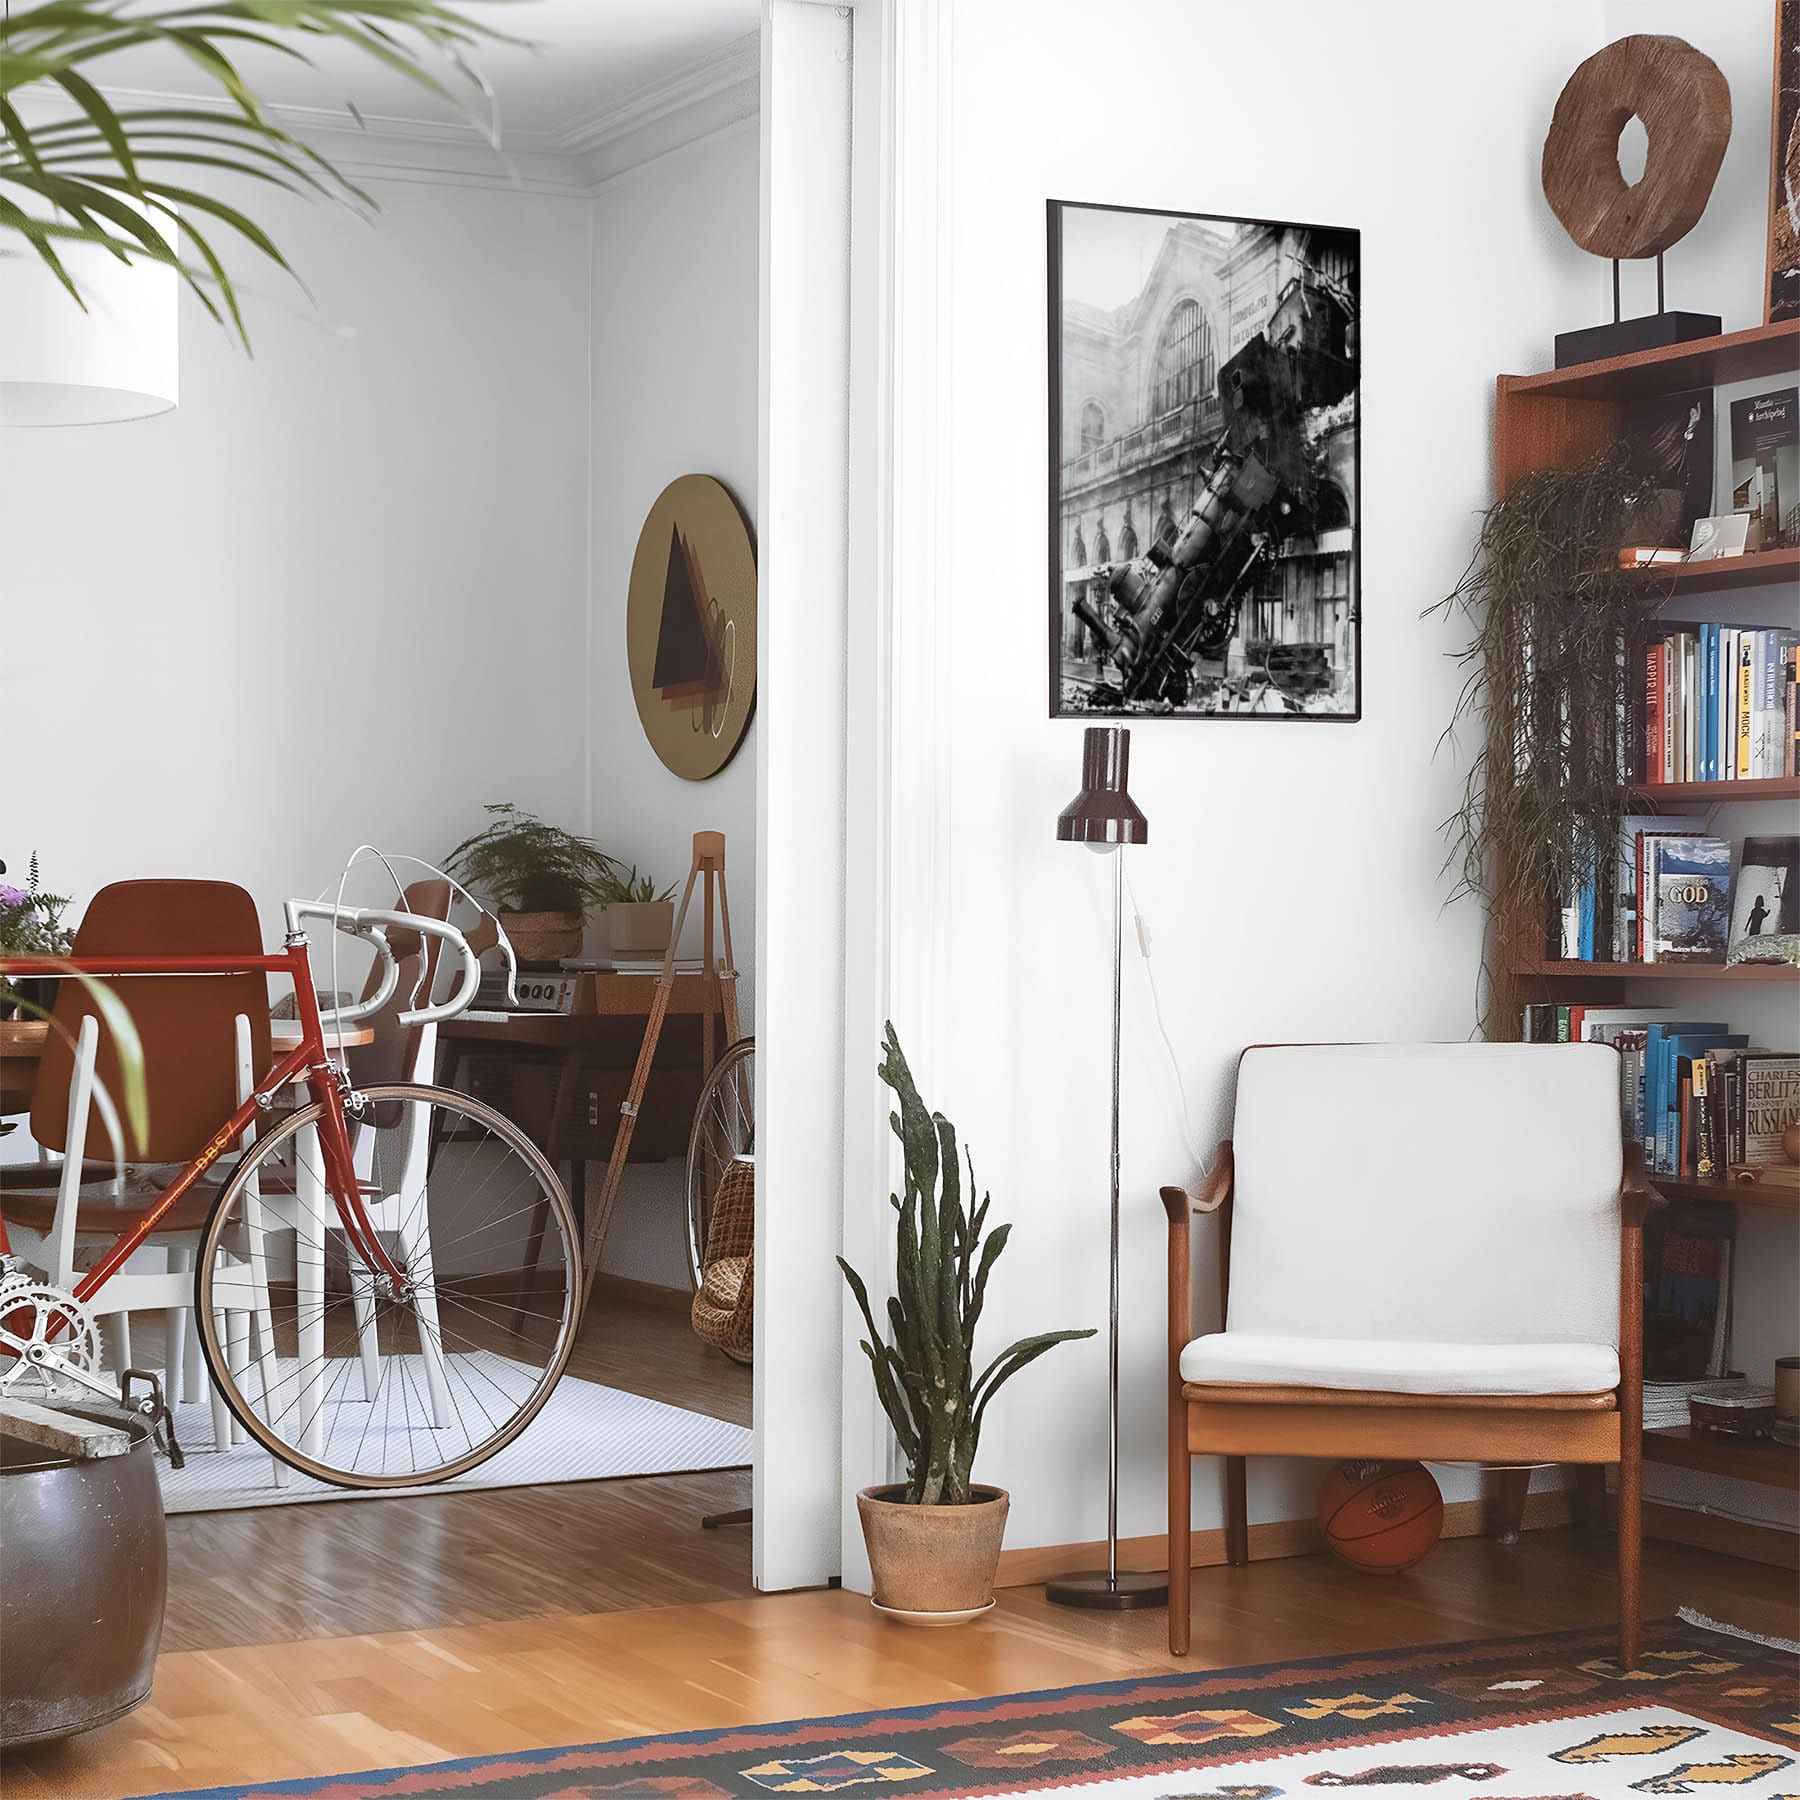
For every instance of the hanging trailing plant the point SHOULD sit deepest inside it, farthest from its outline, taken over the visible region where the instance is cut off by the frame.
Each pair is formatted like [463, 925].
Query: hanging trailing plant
[1549, 682]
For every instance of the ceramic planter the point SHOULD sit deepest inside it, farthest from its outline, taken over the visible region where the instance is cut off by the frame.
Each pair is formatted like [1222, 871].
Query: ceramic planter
[542, 939]
[933, 1565]
[640, 928]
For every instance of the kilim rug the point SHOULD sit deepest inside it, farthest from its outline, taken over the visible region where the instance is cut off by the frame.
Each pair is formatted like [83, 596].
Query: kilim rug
[1542, 1718]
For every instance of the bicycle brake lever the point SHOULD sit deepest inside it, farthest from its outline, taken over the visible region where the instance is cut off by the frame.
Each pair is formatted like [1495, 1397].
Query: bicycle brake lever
[156, 1409]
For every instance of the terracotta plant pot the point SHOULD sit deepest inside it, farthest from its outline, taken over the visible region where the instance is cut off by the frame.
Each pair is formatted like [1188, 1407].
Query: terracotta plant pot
[640, 928]
[934, 1565]
[541, 940]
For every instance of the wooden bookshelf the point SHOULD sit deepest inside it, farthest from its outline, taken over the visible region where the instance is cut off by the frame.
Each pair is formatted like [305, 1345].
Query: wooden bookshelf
[1760, 568]
[1714, 793]
[1765, 1197]
[1550, 969]
[1762, 351]
[1743, 1459]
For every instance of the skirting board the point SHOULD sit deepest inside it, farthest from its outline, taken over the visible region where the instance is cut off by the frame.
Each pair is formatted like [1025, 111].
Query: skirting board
[1275, 1537]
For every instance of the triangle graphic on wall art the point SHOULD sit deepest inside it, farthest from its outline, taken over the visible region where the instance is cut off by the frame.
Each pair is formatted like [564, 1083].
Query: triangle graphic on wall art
[687, 667]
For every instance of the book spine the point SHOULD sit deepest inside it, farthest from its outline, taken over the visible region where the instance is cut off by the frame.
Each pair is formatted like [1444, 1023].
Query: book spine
[1705, 1163]
[1709, 700]
[1742, 769]
[1684, 1124]
[1562, 1024]
[1726, 751]
[1653, 723]
[1688, 707]
[1791, 766]
[1668, 708]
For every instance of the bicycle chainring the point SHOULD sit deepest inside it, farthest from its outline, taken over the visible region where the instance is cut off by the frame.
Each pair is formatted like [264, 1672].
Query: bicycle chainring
[34, 1312]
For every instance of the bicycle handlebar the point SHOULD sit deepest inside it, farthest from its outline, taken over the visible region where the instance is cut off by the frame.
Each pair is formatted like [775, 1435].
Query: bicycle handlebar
[373, 925]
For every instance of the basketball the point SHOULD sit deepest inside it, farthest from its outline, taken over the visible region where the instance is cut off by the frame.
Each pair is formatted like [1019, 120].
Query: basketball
[1380, 1517]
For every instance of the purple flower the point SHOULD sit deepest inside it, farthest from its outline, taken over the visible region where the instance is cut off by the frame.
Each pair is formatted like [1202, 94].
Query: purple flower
[13, 897]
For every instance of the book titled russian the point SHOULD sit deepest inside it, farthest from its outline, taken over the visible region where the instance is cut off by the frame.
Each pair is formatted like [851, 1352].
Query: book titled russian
[1690, 888]
[1765, 461]
[1770, 1098]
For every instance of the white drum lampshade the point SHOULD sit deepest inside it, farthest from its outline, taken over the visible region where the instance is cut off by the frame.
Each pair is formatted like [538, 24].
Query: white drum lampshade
[61, 366]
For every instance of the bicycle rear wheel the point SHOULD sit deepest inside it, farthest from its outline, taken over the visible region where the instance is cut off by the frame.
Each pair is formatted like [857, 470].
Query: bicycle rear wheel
[724, 1127]
[337, 1370]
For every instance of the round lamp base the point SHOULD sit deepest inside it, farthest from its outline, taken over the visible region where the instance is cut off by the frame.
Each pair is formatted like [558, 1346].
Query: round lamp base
[1095, 1590]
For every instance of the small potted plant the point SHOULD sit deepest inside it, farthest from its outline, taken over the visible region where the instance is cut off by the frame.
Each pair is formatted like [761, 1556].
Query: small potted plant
[639, 920]
[542, 878]
[30, 925]
[934, 1539]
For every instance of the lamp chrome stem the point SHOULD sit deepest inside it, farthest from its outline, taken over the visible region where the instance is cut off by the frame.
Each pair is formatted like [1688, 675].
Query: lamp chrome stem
[1112, 1297]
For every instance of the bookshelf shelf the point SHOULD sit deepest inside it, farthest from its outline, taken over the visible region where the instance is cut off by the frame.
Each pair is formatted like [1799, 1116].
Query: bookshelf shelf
[1758, 569]
[1655, 971]
[1766, 1198]
[1758, 1460]
[1776, 787]
[1764, 350]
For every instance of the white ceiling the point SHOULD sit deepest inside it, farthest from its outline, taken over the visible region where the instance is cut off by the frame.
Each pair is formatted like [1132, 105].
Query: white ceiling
[588, 61]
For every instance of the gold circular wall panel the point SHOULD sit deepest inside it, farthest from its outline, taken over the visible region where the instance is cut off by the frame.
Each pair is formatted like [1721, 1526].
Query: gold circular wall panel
[690, 626]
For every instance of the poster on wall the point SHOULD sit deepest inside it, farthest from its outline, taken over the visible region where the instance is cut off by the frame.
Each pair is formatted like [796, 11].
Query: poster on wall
[1784, 168]
[1204, 463]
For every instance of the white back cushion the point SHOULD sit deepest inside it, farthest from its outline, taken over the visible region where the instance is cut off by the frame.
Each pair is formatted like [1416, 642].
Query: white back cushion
[1456, 1192]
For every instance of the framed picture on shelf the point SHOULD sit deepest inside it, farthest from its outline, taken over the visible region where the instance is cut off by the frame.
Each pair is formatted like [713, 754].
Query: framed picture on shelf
[1204, 466]
[1783, 298]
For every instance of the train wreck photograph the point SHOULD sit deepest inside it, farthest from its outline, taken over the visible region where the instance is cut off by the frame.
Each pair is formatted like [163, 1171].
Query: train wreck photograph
[1205, 437]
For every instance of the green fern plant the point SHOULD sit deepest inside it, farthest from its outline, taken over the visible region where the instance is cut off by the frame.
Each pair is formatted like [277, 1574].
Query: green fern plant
[526, 865]
[925, 1373]
[137, 181]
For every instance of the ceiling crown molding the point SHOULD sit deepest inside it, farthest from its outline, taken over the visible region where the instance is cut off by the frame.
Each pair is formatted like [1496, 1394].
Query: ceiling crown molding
[706, 96]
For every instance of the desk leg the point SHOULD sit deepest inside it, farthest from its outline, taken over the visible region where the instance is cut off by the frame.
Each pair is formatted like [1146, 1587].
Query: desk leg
[309, 1276]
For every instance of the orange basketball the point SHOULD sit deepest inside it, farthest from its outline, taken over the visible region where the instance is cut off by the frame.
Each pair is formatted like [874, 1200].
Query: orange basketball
[1380, 1517]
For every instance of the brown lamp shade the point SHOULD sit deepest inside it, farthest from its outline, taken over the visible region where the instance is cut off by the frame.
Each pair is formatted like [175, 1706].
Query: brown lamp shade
[1103, 812]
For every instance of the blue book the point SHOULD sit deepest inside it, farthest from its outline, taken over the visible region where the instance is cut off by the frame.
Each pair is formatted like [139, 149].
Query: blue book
[1653, 1100]
[1709, 704]
[1585, 944]
[1693, 1040]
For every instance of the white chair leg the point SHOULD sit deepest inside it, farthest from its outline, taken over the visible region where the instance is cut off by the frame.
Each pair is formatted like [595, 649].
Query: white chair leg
[368, 1343]
[115, 1332]
[222, 1421]
[309, 1269]
[175, 1329]
[193, 1361]
[237, 1359]
[415, 1255]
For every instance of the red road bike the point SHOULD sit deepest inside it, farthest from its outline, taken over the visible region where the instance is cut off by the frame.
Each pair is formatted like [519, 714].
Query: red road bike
[387, 1280]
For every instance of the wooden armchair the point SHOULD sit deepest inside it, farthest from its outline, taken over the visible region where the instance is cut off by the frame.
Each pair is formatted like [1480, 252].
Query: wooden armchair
[1429, 1251]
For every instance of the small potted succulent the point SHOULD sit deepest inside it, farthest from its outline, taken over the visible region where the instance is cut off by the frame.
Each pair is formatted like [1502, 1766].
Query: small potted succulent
[639, 920]
[934, 1539]
[542, 878]
[30, 925]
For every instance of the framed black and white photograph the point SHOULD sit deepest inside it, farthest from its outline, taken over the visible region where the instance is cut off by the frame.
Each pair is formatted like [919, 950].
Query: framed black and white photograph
[1204, 459]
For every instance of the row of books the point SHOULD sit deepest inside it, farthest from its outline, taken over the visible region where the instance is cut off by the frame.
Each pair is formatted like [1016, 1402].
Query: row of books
[1719, 704]
[1678, 894]
[1699, 1097]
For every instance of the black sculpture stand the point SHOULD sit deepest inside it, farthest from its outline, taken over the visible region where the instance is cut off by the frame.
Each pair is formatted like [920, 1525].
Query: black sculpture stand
[1097, 1591]
[1625, 337]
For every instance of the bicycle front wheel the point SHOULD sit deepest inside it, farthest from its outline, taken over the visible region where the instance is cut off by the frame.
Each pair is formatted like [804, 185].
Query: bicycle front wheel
[358, 1379]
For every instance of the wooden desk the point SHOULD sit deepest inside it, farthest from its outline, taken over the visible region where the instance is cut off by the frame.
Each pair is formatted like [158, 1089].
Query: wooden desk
[561, 1077]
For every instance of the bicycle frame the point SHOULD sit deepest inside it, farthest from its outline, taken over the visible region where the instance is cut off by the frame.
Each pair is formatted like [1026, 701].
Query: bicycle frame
[308, 1060]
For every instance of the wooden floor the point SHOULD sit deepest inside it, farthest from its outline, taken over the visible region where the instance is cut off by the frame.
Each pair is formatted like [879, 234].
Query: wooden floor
[336, 1704]
[281, 1573]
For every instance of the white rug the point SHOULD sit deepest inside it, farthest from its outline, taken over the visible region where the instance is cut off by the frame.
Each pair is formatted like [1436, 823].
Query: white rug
[586, 1432]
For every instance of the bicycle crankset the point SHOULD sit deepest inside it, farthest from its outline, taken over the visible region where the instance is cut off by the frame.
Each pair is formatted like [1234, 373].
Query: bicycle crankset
[46, 1333]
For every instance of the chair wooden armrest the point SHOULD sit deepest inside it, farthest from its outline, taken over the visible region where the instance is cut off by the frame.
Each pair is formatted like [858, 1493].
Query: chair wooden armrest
[1179, 1204]
[1636, 1196]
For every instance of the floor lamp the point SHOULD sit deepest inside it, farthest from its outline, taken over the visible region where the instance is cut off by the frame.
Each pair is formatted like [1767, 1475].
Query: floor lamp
[1104, 817]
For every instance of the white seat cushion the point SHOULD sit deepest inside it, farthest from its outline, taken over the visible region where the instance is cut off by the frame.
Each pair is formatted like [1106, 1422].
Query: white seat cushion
[1394, 1366]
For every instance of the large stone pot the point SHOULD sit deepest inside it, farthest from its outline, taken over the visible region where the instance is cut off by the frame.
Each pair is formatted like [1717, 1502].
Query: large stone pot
[83, 1572]
[933, 1565]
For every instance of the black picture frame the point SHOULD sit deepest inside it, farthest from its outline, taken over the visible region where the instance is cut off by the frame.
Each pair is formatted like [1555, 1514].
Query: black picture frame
[1191, 381]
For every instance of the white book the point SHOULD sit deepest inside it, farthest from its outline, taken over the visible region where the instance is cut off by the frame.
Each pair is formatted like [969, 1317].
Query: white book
[1726, 752]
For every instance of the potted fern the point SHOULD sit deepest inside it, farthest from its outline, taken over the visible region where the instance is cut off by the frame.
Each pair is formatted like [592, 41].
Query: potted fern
[934, 1539]
[542, 878]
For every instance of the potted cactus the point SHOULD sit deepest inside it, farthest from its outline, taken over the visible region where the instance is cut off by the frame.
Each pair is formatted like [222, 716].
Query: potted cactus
[934, 1539]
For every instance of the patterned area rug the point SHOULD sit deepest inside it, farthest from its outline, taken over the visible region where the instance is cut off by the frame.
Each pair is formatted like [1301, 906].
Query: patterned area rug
[1545, 1718]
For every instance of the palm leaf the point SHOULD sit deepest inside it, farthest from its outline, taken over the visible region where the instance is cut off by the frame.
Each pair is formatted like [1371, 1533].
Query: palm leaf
[81, 167]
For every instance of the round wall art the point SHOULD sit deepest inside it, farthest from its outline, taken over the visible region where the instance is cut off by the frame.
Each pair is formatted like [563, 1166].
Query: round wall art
[690, 626]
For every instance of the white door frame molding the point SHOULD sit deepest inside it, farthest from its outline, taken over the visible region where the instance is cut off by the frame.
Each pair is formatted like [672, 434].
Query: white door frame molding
[852, 801]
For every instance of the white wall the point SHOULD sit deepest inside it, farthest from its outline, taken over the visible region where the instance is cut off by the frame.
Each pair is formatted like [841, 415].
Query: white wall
[375, 527]
[1292, 880]
[674, 342]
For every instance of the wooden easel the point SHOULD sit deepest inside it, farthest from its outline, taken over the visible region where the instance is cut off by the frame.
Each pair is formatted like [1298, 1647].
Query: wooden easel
[720, 977]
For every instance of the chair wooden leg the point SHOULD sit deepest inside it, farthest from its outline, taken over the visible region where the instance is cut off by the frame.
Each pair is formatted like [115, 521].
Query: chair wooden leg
[1181, 1525]
[1237, 1513]
[1506, 1502]
[1630, 1553]
[1590, 1499]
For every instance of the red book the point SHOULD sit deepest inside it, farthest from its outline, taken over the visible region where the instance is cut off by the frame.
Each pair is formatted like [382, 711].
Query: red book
[1653, 713]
